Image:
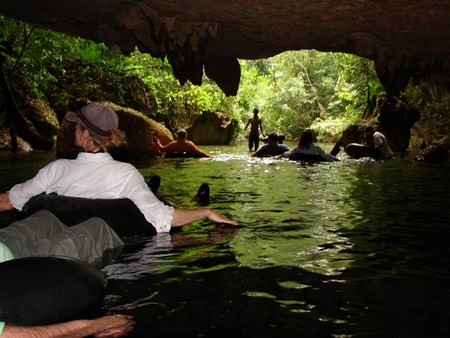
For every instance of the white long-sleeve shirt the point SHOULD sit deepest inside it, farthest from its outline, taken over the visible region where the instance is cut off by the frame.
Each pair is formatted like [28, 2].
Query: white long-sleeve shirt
[95, 176]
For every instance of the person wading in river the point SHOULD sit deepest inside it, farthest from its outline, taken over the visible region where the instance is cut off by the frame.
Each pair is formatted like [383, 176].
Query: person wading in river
[255, 123]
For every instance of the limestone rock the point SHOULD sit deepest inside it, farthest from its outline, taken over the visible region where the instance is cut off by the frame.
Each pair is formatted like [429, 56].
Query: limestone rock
[5, 142]
[435, 152]
[212, 128]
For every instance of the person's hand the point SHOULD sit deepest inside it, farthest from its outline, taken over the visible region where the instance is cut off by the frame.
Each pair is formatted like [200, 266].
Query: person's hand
[215, 217]
[113, 326]
[5, 204]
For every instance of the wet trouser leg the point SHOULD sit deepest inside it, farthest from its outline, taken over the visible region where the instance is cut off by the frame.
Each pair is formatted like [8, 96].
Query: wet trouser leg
[43, 234]
[253, 139]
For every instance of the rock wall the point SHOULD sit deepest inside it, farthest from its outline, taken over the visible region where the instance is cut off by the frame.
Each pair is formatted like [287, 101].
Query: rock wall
[212, 128]
[405, 39]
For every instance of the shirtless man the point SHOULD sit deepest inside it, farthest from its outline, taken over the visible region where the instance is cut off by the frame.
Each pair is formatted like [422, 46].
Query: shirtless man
[256, 123]
[181, 144]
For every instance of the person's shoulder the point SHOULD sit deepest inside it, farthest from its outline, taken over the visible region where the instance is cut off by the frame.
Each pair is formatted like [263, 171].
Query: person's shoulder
[126, 165]
[121, 164]
[262, 148]
[60, 162]
[378, 134]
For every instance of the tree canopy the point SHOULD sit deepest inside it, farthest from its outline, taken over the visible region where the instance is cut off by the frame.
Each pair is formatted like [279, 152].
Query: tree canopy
[293, 90]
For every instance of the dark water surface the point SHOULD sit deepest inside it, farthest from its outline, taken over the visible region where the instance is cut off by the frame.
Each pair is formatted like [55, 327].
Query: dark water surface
[343, 249]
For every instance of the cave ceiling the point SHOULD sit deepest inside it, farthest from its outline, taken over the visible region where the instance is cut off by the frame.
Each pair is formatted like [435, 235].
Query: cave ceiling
[405, 38]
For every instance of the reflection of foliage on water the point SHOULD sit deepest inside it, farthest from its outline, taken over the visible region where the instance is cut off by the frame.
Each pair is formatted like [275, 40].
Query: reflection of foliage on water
[351, 248]
[295, 217]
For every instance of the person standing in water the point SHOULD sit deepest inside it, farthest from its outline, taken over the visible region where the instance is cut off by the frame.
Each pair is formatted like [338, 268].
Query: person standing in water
[255, 123]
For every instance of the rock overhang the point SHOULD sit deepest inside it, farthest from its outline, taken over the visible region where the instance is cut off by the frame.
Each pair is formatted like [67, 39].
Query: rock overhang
[405, 39]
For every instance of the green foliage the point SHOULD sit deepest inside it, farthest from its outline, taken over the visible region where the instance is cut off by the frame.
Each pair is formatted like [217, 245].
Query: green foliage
[52, 64]
[170, 96]
[307, 89]
[293, 90]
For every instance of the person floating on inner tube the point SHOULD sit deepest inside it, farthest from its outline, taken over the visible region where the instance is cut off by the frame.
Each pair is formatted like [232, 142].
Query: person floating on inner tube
[272, 147]
[42, 233]
[95, 174]
[377, 146]
[380, 142]
[306, 146]
[180, 145]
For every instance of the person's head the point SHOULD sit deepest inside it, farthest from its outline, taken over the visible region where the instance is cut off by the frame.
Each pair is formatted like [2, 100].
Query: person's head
[369, 130]
[272, 138]
[255, 111]
[306, 139]
[96, 122]
[182, 134]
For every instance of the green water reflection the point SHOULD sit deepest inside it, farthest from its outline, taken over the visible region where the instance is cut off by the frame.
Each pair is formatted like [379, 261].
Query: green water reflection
[349, 248]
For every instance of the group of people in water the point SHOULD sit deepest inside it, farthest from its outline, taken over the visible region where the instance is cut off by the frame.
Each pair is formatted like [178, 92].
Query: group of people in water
[377, 144]
[95, 174]
[377, 147]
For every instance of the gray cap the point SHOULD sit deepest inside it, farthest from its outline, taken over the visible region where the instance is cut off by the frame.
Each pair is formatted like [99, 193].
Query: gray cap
[98, 119]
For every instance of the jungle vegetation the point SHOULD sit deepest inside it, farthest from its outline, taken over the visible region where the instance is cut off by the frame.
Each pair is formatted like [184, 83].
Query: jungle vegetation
[293, 91]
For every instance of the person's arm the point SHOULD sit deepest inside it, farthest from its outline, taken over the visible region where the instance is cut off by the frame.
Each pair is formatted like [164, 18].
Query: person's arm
[328, 157]
[248, 122]
[158, 146]
[379, 141]
[285, 154]
[185, 216]
[191, 147]
[5, 204]
[202, 153]
[324, 155]
[20, 193]
[163, 216]
[199, 151]
[260, 126]
[107, 326]
[261, 151]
